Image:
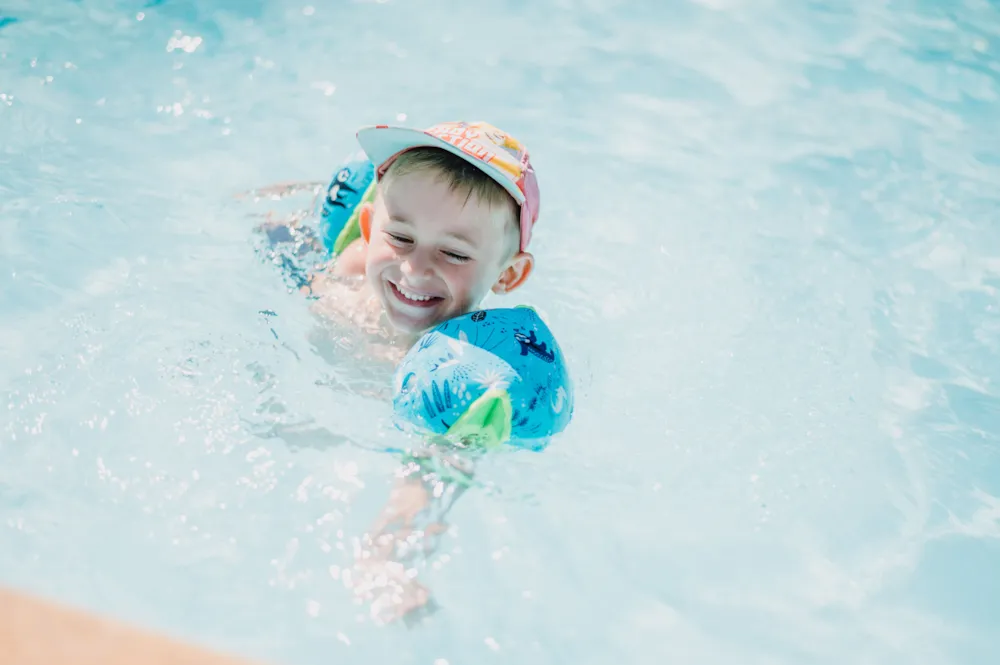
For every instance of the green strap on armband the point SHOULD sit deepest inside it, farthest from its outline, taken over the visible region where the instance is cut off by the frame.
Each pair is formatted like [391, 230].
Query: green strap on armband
[487, 421]
[352, 229]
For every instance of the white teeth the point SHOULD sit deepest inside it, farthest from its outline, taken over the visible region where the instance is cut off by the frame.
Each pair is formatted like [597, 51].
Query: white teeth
[412, 296]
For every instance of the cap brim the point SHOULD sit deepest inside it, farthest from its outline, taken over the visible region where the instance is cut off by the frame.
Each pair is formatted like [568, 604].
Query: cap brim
[381, 143]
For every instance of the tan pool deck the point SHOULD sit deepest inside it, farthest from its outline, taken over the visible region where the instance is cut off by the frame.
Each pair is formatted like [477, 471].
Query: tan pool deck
[35, 631]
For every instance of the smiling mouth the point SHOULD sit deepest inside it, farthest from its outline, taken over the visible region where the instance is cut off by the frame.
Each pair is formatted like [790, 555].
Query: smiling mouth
[413, 298]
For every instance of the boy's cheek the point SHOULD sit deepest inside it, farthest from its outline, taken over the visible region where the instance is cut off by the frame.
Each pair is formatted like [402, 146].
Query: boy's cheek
[469, 285]
[379, 252]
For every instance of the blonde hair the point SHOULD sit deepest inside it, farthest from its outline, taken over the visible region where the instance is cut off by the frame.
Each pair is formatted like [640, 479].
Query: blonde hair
[466, 180]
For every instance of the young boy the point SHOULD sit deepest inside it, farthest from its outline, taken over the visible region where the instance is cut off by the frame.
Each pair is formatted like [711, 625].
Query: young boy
[450, 222]
[451, 219]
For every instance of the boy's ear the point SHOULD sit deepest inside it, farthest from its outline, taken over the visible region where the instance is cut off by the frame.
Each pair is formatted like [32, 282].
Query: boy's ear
[365, 215]
[516, 273]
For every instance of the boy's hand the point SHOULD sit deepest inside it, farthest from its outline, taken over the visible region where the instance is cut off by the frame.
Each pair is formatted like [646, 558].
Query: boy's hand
[392, 591]
[280, 190]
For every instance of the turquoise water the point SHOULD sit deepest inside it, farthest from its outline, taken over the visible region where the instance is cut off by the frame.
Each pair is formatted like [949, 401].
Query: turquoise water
[769, 246]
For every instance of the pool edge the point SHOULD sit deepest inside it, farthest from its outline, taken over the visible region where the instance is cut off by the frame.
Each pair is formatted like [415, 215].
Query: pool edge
[37, 631]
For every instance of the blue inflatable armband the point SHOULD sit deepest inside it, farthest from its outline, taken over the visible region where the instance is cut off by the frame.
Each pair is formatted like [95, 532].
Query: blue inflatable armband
[493, 376]
[352, 185]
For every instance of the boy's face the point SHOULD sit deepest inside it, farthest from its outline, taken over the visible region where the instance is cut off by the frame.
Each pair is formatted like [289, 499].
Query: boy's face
[434, 253]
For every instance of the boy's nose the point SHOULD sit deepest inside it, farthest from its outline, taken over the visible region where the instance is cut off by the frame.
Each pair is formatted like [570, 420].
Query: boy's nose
[416, 266]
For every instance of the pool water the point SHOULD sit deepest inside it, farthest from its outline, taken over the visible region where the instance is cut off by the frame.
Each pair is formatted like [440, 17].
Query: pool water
[769, 246]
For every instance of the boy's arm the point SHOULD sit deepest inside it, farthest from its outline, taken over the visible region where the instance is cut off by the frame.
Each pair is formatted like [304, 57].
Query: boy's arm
[350, 263]
[280, 190]
[406, 529]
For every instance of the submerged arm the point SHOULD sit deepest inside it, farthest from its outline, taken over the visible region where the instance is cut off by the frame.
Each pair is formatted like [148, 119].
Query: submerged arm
[280, 190]
[407, 531]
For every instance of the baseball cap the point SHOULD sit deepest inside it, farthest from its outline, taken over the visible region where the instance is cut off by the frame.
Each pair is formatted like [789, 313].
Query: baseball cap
[493, 151]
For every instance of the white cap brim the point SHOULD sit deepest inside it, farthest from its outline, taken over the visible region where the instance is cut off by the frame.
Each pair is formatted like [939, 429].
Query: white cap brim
[382, 143]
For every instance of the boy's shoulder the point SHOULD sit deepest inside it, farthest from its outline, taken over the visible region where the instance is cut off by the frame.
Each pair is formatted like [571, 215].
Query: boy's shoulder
[351, 261]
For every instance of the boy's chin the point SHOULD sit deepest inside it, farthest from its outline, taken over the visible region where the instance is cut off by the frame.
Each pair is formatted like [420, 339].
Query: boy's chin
[410, 325]
[405, 323]
[408, 328]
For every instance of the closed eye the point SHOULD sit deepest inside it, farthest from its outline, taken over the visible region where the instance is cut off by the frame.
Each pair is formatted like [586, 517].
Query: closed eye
[454, 256]
[403, 240]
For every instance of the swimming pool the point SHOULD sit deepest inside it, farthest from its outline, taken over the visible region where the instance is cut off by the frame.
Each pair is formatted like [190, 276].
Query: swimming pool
[769, 247]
